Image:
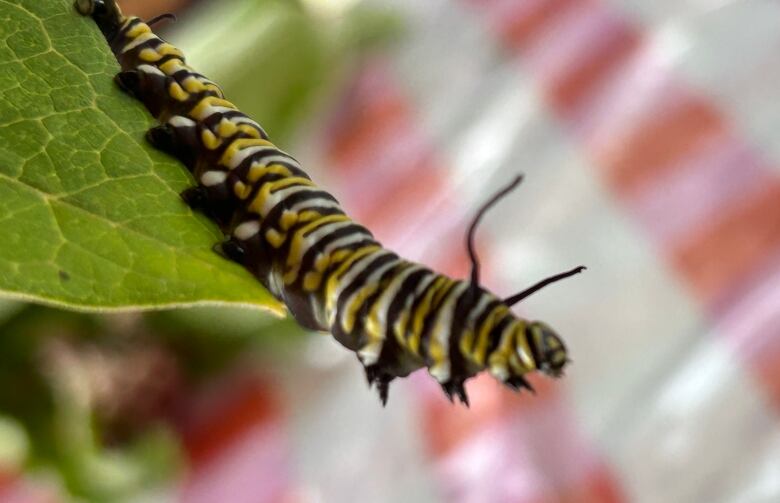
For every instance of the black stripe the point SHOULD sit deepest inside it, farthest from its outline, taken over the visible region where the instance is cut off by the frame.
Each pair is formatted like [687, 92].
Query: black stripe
[535, 354]
[348, 339]
[494, 337]
[400, 266]
[430, 321]
[392, 353]
[237, 115]
[467, 302]
[481, 319]
[309, 257]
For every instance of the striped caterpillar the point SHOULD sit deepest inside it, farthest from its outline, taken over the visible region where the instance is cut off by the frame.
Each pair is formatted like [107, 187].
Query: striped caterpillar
[396, 315]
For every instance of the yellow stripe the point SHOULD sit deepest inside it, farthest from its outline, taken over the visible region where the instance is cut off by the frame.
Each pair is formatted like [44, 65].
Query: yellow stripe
[259, 201]
[294, 255]
[436, 349]
[466, 342]
[149, 55]
[482, 340]
[193, 85]
[311, 281]
[374, 331]
[249, 130]
[242, 190]
[440, 284]
[226, 129]
[275, 238]
[357, 304]
[172, 65]
[503, 352]
[176, 92]
[239, 144]
[290, 218]
[199, 109]
[522, 347]
[257, 171]
[334, 278]
[137, 30]
[210, 141]
[399, 327]
[167, 49]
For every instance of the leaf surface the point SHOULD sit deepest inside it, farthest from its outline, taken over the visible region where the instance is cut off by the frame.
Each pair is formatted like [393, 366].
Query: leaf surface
[90, 216]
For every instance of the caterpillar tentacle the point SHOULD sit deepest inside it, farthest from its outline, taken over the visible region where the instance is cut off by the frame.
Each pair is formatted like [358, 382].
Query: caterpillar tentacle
[397, 316]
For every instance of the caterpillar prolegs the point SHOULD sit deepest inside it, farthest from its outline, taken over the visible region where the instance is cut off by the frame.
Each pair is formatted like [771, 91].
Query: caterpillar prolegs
[330, 272]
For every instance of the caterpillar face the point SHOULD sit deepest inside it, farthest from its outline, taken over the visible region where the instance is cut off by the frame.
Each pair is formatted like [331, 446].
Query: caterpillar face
[548, 348]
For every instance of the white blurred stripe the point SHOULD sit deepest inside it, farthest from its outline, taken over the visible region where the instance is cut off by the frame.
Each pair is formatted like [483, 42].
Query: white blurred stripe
[698, 436]
[730, 54]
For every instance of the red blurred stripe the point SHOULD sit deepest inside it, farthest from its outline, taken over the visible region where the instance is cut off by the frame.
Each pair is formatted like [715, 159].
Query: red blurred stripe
[718, 257]
[664, 137]
[223, 415]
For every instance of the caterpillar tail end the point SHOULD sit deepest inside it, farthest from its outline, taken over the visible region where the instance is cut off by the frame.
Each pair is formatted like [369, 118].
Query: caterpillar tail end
[100, 10]
[84, 7]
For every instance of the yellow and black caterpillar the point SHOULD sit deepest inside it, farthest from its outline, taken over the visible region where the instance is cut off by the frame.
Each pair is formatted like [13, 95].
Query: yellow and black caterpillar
[330, 272]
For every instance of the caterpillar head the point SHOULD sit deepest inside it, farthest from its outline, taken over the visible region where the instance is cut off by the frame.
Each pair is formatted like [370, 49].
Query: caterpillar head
[548, 349]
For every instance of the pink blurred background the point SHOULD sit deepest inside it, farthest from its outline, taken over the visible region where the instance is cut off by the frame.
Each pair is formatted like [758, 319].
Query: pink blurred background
[647, 134]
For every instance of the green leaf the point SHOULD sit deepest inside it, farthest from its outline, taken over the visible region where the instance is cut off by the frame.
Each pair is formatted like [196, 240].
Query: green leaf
[89, 213]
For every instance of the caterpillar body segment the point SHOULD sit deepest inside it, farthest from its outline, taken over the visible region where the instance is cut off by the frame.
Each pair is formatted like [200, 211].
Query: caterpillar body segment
[396, 315]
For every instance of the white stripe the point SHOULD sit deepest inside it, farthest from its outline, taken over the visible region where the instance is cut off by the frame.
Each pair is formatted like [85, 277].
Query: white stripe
[246, 230]
[370, 353]
[441, 332]
[346, 241]
[150, 69]
[181, 121]
[243, 119]
[210, 110]
[479, 309]
[242, 154]
[211, 178]
[280, 158]
[356, 268]
[317, 202]
[314, 238]
[426, 281]
[500, 370]
[371, 279]
[279, 196]
[138, 41]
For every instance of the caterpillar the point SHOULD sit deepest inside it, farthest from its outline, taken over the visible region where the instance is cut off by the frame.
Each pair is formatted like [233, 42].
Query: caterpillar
[396, 315]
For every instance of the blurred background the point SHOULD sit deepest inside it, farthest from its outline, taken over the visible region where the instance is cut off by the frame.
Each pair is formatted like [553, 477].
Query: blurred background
[647, 133]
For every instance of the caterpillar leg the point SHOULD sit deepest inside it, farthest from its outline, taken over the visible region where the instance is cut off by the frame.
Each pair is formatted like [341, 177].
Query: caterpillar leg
[231, 249]
[177, 137]
[454, 388]
[162, 137]
[518, 383]
[147, 84]
[129, 82]
[195, 197]
[376, 376]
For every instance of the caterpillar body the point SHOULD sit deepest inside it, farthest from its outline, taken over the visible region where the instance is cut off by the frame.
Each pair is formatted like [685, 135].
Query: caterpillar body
[330, 272]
